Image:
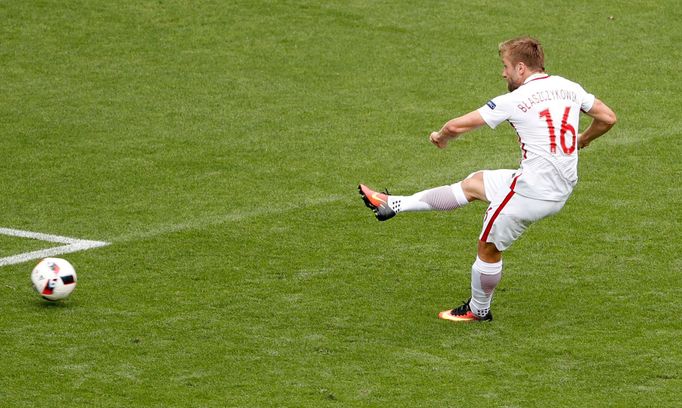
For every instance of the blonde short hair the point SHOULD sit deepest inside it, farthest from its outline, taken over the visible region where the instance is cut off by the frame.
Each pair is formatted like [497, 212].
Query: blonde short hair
[524, 49]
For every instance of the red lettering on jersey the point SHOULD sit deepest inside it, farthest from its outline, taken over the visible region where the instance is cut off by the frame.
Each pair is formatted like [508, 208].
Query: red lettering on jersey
[565, 128]
[550, 126]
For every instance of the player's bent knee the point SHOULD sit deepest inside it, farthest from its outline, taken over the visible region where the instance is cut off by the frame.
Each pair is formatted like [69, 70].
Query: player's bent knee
[473, 186]
[474, 174]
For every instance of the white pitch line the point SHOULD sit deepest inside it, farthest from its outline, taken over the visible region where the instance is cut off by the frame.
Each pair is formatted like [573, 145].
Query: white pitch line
[72, 245]
[39, 236]
[75, 244]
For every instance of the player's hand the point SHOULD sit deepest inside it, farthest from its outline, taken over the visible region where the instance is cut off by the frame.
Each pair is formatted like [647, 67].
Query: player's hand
[581, 143]
[438, 139]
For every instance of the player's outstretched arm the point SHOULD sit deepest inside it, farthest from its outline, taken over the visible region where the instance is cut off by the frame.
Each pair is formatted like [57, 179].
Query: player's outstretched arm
[603, 119]
[455, 127]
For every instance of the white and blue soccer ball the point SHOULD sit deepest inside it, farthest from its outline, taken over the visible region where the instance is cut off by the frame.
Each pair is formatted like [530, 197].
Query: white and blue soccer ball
[54, 278]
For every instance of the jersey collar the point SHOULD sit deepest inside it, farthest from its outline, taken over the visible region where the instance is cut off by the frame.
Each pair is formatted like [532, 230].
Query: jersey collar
[538, 75]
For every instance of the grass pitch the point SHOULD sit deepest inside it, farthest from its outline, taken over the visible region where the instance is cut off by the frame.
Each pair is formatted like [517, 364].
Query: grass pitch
[218, 145]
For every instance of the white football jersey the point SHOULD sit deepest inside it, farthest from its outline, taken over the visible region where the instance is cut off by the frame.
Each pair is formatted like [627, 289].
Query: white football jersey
[545, 112]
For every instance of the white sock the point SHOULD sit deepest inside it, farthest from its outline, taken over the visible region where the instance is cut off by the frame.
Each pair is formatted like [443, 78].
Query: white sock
[484, 278]
[439, 198]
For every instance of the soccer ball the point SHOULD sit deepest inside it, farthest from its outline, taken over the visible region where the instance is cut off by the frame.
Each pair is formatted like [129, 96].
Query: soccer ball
[54, 278]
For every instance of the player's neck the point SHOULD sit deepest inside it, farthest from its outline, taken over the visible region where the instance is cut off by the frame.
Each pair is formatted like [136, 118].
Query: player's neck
[533, 75]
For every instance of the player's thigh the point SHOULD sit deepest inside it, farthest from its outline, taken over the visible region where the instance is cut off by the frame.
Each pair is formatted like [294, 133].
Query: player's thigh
[507, 219]
[496, 183]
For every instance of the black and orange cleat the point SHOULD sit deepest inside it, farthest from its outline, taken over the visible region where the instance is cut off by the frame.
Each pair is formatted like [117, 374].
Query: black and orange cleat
[463, 313]
[377, 202]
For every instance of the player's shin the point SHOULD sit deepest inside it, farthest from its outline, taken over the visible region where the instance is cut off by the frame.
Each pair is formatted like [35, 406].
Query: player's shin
[484, 279]
[435, 199]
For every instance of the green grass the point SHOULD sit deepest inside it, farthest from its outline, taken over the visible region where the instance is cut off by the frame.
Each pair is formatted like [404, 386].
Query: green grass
[218, 145]
[10, 245]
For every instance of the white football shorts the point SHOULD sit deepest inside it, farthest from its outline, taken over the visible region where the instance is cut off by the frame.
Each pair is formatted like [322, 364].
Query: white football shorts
[509, 213]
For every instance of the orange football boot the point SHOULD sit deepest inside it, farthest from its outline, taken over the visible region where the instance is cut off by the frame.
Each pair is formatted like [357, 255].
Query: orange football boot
[377, 202]
[463, 314]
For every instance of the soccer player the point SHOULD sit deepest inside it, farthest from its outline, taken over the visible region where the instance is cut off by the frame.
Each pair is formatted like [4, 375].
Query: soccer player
[544, 110]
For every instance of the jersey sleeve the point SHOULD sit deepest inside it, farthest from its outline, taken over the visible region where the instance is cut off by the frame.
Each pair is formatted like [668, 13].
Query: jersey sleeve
[587, 100]
[496, 110]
